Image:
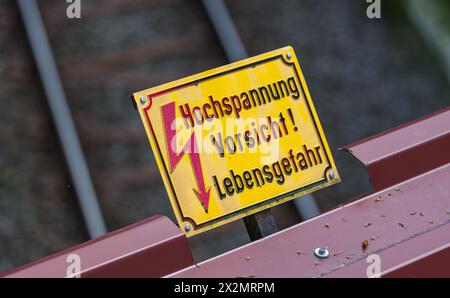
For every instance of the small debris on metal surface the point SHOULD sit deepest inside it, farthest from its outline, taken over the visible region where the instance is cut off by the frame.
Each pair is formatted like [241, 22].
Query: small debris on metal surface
[397, 189]
[349, 258]
[421, 214]
[389, 195]
[327, 226]
[365, 244]
[248, 258]
[431, 222]
[368, 224]
[301, 253]
[338, 253]
[401, 224]
[378, 199]
[373, 238]
[413, 213]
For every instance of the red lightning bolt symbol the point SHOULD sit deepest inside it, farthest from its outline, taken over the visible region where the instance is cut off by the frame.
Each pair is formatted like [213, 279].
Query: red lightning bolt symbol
[190, 148]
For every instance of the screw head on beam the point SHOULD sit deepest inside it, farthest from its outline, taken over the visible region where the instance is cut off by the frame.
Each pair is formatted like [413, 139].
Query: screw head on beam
[143, 100]
[187, 227]
[321, 252]
[289, 55]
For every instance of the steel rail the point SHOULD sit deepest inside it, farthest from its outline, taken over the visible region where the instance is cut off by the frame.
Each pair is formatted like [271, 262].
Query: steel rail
[62, 117]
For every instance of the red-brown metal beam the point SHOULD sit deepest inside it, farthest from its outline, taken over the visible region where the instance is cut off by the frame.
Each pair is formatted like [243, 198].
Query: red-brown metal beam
[427, 255]
[391, 220]
[150, 248]
[407, 224]
[405, 151]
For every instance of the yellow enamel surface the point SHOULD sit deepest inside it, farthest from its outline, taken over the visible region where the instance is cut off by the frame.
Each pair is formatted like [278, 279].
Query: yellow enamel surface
[225, 81]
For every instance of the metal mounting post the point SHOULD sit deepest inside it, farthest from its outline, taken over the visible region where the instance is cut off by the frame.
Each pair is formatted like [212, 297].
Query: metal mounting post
[260, 224]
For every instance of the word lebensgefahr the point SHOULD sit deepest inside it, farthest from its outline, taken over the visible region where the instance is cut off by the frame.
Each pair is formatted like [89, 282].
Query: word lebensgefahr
[293, 164]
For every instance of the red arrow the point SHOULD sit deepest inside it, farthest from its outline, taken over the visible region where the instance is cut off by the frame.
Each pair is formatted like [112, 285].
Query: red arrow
[190, 148]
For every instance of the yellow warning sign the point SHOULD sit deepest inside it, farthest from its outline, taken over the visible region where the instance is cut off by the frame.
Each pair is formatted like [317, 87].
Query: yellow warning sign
[237, 139]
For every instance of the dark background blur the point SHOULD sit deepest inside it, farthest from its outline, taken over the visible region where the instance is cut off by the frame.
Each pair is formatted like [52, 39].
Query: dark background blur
[365, 76]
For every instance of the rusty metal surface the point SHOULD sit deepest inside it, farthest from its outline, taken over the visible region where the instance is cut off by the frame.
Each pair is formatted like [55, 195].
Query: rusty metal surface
[150, 248]
[407, 223]
[405, 151]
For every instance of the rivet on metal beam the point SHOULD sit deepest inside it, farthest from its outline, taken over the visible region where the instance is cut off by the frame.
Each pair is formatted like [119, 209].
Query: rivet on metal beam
[321, 253]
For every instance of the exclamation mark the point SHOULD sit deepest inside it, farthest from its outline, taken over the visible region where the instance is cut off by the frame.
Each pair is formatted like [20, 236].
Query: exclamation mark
[292, 119]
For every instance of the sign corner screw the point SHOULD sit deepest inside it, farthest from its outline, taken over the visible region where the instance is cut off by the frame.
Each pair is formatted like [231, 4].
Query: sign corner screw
[143, 100]
[289, 55]
[187, 227]
[331, 175]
